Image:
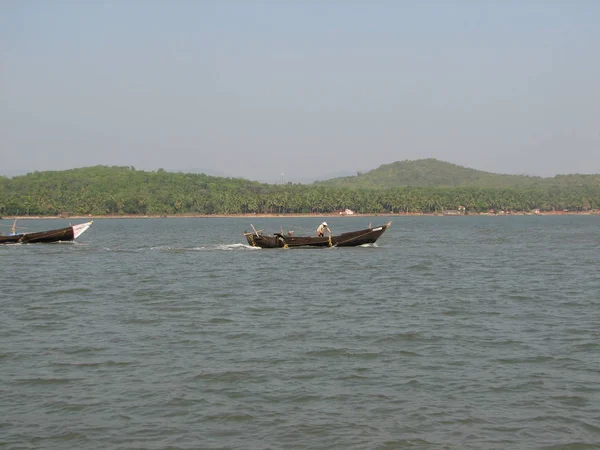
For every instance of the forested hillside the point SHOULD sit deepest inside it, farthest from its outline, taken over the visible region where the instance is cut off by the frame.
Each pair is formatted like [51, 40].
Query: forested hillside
[103, 190]
[432, 172]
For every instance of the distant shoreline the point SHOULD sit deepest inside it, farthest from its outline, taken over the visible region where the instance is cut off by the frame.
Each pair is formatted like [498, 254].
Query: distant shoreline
[267, 216]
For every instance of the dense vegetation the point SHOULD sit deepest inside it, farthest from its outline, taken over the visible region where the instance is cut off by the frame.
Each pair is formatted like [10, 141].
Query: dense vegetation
[104, 190]
[431, 172]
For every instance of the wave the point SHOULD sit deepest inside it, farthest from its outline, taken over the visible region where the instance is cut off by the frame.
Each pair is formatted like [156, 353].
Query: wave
[207, 248]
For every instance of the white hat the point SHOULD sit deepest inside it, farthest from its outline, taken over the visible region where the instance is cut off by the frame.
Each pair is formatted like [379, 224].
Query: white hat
[324, 223]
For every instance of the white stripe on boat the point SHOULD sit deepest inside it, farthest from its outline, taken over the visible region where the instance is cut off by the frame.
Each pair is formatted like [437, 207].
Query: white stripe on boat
[79, 229]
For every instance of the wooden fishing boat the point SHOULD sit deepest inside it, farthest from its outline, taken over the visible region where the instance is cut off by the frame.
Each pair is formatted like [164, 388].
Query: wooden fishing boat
[69, 233]
[257, 238]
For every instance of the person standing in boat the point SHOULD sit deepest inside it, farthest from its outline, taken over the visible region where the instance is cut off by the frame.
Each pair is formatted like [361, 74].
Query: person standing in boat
[321, 229]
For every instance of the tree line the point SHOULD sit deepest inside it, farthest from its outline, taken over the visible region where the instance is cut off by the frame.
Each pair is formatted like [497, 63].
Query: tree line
[104, 190]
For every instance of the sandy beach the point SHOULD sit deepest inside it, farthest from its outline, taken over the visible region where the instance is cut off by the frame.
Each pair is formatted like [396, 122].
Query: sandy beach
[325, 215]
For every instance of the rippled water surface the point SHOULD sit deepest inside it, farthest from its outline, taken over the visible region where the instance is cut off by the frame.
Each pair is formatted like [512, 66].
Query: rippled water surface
[450, 333]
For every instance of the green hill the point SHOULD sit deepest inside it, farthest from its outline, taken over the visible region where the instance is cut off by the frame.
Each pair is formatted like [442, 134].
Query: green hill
[426, 186]
[434, 173]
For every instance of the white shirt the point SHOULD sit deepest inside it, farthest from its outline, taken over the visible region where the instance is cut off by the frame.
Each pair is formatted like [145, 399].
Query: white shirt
[322, 228]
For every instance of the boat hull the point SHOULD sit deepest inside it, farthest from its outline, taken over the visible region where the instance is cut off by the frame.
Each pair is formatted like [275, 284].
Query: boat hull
[350, 239]
[59, 235]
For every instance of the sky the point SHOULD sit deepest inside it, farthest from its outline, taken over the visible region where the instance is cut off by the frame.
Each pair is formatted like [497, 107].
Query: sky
[299, 90]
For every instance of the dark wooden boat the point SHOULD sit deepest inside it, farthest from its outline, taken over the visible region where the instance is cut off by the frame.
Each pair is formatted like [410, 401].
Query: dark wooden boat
[69, 233]
[257, 238]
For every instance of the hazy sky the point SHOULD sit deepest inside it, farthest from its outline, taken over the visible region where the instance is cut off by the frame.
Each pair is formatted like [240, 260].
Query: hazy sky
[304, 88]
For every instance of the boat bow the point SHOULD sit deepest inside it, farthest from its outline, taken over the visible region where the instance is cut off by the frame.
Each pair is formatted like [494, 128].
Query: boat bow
[81, 228]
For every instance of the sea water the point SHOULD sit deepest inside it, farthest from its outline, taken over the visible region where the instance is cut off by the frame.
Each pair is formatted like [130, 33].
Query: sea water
[449, 333]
